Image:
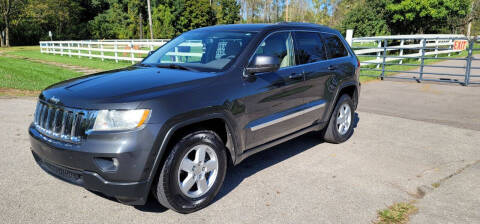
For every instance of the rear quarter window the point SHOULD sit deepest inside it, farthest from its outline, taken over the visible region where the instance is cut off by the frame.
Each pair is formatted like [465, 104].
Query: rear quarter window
[334, 46]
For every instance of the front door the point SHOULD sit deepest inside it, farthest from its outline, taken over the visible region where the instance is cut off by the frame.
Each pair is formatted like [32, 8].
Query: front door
[275, 97]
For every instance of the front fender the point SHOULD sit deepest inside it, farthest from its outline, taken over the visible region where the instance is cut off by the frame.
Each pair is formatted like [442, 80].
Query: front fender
[183, 120]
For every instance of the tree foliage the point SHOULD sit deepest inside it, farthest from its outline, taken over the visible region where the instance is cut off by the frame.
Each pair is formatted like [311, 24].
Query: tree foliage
[367, 19]
[28, 21]
[426, 16]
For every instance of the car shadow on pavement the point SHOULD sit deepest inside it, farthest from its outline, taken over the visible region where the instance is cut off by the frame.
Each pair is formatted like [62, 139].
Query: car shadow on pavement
[256, 163]
[269, 157]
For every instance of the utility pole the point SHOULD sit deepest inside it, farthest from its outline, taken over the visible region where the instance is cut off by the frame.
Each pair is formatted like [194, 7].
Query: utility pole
[150, 19]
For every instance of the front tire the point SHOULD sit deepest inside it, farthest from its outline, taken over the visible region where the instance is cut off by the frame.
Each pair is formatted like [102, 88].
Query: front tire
[193, 173]
[340, 125]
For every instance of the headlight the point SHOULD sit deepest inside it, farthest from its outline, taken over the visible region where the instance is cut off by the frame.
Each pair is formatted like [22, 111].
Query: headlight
[111, 120]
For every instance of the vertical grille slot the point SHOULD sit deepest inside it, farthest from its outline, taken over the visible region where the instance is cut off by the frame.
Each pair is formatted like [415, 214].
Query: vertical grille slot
[64, 124]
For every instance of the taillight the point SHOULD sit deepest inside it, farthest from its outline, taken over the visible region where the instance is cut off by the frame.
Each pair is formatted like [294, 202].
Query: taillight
[358, 63]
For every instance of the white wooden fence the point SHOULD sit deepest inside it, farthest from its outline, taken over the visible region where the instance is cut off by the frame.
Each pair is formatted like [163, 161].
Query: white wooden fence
[136, 50]
[118, 50]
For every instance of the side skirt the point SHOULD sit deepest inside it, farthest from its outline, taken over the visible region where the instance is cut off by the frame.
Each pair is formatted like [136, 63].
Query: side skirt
[249, 152]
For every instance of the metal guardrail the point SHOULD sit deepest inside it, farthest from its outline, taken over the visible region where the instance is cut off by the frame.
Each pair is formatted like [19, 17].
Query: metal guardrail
[415, 54]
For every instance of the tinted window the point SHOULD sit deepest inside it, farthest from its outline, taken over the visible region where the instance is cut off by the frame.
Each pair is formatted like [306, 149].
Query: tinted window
[309, 47]
[334, 46]
[278, 45]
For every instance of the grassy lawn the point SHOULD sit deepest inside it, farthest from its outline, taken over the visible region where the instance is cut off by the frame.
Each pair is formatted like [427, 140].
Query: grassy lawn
[26, 75]
[34, 52]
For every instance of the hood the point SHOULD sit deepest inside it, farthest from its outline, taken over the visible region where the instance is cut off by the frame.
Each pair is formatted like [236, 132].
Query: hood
[123, 88]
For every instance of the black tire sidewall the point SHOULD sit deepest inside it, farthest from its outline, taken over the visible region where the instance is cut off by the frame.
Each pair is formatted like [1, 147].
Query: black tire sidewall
[337, 137]
[177, 200]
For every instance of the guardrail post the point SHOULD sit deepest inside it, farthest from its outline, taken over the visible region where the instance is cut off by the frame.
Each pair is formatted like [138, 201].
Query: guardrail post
[422, 59]
[402, 42]
[469, 62]
[385, 44]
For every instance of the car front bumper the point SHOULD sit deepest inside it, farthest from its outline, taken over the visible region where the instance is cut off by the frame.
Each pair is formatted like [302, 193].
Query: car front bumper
[114, 164]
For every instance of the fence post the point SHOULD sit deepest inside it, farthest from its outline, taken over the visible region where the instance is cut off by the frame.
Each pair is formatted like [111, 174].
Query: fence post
[436, 48]
[349, 37]
[421, 51]
[69, 49]
[101, 48]
[402, 42]
[379, 53]
[385, 44]
[115, 46]
[90, 49]
[422, 58]
[469, 61]
[79, 51]
[450, 44]
[131, 52]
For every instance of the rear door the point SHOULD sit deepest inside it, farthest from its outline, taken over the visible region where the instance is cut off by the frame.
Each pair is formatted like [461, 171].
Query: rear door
[339, 63]
[311, 57]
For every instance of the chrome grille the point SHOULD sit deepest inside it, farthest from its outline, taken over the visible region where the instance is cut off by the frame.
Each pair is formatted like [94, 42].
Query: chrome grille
[62, 123]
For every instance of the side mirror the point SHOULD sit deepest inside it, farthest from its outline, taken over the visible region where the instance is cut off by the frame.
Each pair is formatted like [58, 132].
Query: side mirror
[263, 63]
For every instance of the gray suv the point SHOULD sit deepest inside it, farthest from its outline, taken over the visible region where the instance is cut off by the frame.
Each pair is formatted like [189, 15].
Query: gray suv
[170, 125]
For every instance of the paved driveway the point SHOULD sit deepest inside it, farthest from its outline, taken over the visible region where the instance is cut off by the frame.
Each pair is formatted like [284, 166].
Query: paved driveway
[393, 151]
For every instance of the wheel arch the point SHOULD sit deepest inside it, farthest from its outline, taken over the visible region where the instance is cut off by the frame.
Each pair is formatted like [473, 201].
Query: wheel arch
[350, 88]
[178, 128]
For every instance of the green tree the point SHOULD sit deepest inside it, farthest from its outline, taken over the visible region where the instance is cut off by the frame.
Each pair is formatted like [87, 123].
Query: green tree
[163, 21]
[228, 12]
[426, 16]
[367, 19]
[194, 14]
[121, 20]
[9, 10]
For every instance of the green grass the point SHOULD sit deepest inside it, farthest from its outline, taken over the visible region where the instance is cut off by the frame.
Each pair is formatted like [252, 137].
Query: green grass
[34, 52]
[396, 214]
[26, 75]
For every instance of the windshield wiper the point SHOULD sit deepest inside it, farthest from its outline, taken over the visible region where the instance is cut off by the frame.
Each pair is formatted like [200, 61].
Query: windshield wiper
[176, 66]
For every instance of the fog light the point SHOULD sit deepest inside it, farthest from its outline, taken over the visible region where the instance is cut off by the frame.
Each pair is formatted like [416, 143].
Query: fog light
[107, 164]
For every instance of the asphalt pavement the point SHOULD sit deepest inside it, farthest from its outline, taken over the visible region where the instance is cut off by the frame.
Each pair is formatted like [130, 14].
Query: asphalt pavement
[407, 137]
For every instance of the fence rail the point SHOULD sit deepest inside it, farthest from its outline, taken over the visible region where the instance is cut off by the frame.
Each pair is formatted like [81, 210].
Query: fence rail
[379, 55]
[118, 50]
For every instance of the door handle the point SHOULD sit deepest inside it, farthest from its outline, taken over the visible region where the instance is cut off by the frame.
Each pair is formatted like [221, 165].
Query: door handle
[331, 67]
[296, 76]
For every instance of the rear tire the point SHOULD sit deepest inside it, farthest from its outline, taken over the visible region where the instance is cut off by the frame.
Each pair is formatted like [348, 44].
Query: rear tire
[193, 173]
[340, 125]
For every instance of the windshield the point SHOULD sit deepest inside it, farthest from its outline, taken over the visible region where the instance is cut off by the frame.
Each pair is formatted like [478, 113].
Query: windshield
[201, 51]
